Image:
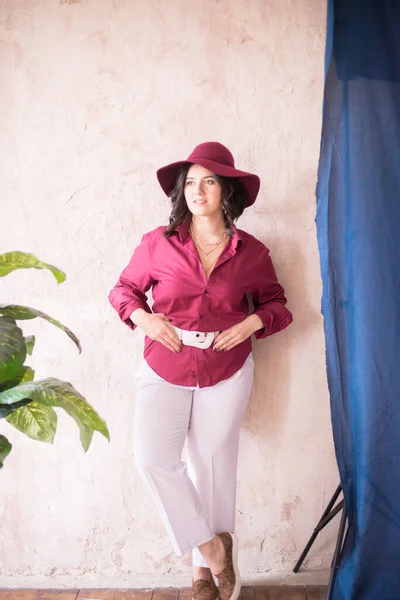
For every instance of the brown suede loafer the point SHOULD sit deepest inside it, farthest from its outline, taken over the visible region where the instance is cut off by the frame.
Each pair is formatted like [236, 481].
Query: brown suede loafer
[204, 589]
[229, 578]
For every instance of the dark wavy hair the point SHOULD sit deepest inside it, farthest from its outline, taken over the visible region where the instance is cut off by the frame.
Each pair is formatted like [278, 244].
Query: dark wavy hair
[233, 200]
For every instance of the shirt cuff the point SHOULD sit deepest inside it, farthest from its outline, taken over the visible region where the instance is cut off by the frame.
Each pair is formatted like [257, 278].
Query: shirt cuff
[125, 312]
[273, 320]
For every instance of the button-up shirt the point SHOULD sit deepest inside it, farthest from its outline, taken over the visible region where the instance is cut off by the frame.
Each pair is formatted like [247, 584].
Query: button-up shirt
[172, 268]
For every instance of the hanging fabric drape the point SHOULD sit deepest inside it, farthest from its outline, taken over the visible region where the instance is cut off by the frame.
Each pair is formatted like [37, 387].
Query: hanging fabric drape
[358, 227]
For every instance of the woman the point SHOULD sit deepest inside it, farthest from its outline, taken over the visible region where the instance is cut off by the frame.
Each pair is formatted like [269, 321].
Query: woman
[195, 382]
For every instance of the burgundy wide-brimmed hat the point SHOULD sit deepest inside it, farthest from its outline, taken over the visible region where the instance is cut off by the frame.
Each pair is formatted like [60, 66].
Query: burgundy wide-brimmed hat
[216, 158]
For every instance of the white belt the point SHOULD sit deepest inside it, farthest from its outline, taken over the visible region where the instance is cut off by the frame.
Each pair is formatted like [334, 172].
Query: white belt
[197, 339]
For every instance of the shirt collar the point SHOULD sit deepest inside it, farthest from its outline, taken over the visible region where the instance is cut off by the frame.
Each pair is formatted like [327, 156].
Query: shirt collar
[237, 239]
[183, 231]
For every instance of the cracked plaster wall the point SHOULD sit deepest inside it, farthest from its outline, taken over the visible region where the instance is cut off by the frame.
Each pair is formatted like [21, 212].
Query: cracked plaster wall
[96, 94]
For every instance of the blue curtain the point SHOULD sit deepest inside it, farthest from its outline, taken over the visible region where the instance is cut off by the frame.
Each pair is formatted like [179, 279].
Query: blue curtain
[358, 227]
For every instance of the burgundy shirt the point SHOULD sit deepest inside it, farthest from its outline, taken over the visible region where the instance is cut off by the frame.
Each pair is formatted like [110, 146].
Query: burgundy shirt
[173, 269]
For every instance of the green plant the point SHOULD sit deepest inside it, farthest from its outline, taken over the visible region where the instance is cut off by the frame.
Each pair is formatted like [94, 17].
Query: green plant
[27, 404]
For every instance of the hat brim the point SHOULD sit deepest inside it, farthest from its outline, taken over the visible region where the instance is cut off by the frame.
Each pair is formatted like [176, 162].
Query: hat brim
[167, 176]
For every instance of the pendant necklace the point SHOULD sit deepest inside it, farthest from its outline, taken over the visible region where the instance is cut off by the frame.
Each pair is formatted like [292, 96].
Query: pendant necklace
[197, 243]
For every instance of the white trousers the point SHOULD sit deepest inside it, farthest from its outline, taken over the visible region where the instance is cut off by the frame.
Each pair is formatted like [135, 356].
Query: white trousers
[198, 502]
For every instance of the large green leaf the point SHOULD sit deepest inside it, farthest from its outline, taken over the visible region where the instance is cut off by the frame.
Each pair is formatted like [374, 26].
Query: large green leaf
[25, 312]
[26, 374]
[5, 449]
[53, 392]
[8, 409]
[37, 421]
[21, 260]
[12, 349]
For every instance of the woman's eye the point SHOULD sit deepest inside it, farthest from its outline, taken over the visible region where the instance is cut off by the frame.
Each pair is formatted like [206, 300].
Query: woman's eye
[210, 181]
[189, 182]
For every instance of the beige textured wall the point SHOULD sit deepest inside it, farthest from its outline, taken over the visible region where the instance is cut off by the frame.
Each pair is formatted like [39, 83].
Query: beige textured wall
[95, 95]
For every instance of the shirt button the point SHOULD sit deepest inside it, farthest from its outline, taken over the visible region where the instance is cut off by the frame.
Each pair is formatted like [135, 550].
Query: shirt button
[193, 358]
[201, 317]
[193, 374]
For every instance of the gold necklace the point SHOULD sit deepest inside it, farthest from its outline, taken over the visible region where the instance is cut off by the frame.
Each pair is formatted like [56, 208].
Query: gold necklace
[208, 270]
[199, 241]
[205, 254]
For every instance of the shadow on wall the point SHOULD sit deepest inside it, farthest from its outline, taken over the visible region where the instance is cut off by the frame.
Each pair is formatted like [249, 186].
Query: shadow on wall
[273, 382]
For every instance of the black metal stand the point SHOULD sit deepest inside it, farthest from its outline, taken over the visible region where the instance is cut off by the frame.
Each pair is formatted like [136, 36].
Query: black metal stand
[330, 512]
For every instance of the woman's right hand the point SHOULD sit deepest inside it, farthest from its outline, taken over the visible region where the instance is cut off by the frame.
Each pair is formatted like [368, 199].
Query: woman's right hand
[156, 328]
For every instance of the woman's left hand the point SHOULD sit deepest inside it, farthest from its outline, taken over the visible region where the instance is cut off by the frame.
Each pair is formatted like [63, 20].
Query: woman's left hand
[237, 334]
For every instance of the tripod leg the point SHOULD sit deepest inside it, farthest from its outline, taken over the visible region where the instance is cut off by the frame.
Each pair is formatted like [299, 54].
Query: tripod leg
[317, 529]
[337, 555]
[332, 515]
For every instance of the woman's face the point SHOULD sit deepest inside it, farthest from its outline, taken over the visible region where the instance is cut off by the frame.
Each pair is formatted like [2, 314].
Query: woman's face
[202, 192]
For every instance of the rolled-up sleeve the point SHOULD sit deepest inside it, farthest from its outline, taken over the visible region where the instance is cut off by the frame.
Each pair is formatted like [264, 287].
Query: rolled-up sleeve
[135, 280]
[269, 298]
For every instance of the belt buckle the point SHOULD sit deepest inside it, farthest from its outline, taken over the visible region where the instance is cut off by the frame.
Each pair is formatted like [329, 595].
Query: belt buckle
[204, 335]
[202, 339]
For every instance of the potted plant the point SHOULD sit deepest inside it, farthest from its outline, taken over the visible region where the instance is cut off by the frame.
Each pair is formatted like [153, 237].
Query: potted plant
[26, 403]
